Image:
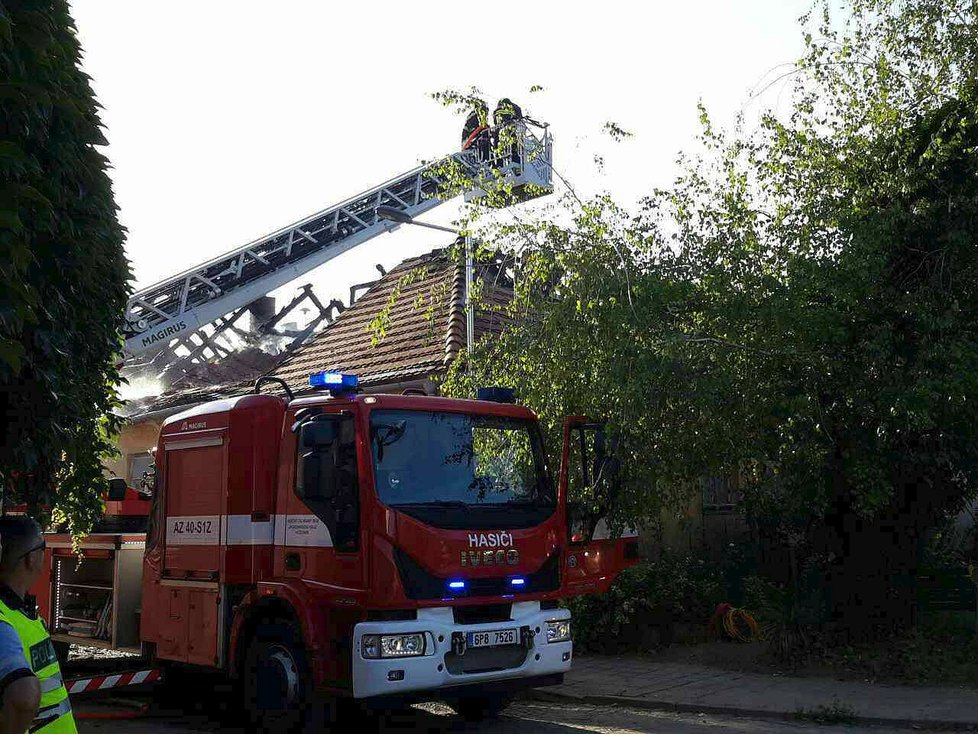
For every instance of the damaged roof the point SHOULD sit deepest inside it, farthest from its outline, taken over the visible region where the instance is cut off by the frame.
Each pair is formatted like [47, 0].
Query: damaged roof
[421, 307]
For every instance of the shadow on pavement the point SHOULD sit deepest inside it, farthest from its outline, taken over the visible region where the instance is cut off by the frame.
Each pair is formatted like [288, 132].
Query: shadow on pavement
[217, 711]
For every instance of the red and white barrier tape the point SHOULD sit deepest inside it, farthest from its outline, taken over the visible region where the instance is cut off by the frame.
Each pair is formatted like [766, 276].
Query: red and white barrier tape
[103, 682]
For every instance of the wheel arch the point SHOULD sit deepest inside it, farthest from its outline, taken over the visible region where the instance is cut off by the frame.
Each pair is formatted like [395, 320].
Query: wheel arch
[255, 610]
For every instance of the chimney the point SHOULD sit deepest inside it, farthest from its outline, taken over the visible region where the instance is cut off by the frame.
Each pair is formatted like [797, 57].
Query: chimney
[260, 311]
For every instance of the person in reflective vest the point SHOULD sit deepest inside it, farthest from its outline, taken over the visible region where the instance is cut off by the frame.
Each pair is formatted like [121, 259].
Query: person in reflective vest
[20, 693]
[20, 565]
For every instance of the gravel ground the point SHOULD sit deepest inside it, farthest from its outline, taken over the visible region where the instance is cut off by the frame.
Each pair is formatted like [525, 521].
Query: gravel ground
[79, 653]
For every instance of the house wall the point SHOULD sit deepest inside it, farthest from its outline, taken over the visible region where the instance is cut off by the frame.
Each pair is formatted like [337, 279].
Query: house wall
[710, 521]
[682, 530]
[134, 440]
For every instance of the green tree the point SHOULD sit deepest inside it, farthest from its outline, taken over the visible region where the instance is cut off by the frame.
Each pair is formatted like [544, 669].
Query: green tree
[63, 273]
[800, 307]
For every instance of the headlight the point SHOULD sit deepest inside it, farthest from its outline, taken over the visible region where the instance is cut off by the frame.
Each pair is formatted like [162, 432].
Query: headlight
[558, 631]
[392, 646]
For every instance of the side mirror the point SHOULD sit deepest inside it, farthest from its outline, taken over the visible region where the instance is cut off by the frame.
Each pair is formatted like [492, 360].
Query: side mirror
[302, 414]
[318, 434]
[117, 489]
[318, 477]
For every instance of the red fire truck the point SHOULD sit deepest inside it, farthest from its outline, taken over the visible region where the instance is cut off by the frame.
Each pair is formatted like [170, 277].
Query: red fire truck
[374, 547]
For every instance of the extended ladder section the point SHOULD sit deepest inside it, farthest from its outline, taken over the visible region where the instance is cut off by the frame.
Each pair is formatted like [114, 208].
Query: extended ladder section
[171, 310]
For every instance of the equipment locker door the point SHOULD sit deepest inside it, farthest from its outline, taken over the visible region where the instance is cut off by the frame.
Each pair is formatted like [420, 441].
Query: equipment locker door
[588, 479]
[195, 495]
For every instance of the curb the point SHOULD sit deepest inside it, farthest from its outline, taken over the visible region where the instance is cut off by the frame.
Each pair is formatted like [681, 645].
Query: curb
[550, 696]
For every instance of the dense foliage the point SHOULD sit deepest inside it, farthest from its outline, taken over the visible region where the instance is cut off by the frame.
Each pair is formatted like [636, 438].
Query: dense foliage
[655, 603]
[63, 273]
[800, 308]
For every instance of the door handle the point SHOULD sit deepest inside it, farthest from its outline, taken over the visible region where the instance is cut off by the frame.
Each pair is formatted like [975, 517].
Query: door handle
[292, 562]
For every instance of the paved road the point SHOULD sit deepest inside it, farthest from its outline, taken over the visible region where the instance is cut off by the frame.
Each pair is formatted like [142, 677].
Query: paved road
[520, 718]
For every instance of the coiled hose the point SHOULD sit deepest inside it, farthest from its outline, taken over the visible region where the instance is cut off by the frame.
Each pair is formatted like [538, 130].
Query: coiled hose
[737, 623]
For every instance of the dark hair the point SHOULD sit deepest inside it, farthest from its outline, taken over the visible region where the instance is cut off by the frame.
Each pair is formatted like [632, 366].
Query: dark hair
[18, 533]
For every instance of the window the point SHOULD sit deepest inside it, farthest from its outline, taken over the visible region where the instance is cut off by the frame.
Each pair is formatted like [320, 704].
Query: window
[581, 464]
[721, 495]
[592, 480]
[433, 457]
[333, 491]
[580, 483]
[456, 470]
[138, 463]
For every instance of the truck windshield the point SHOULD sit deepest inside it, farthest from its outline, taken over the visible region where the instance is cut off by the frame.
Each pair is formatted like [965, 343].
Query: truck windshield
[437, 460]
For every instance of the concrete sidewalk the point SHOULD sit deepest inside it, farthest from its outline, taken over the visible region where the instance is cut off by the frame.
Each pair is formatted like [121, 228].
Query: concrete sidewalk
[643, 683]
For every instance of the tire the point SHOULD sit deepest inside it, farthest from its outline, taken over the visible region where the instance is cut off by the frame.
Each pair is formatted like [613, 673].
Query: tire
[479, 708]
[276, 684]
[179, 689]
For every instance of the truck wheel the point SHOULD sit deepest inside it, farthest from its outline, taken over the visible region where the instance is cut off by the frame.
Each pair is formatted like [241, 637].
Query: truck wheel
[477, 708]
[178, 688]
[277, 685]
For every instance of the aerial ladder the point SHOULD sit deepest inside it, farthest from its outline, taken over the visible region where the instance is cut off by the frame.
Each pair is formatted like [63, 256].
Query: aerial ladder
[208, 298]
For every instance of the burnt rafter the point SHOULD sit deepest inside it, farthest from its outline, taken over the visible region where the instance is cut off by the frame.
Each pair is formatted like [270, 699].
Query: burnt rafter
[227, 337]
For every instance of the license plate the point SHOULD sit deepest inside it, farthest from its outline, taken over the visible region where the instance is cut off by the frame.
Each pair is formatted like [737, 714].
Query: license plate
[492, 638]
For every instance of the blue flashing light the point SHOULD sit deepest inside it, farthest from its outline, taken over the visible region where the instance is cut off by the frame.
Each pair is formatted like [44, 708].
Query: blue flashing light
[497, 394]
[456, 585]
[335, 381]
[518, 581]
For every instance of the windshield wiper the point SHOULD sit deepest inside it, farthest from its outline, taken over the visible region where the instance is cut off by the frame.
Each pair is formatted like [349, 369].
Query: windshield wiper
[533, 504]
[387, 435]
[456, 504]
[461, 505]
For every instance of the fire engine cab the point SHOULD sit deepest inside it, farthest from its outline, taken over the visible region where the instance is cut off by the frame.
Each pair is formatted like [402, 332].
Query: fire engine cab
[373, 547]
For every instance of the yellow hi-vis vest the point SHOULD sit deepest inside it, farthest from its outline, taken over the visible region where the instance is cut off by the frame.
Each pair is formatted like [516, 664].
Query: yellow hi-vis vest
[54, 713]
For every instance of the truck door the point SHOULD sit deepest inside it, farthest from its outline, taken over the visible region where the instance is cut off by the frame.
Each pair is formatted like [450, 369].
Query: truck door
[318, 536]
[588, 482]
[318, 530]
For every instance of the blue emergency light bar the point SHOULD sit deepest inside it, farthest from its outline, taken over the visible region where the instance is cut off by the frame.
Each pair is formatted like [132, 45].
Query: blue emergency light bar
[335, 381]
[497, 394]
[456, 585]
[518, 581]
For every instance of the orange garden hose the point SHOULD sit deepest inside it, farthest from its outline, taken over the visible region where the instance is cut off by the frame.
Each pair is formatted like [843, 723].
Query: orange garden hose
[730, 625]
[739, 624]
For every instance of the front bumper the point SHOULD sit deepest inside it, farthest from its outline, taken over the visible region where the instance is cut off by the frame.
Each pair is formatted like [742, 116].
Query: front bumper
[442, 667]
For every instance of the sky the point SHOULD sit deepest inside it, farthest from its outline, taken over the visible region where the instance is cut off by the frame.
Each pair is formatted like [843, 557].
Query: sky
[227, 121]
